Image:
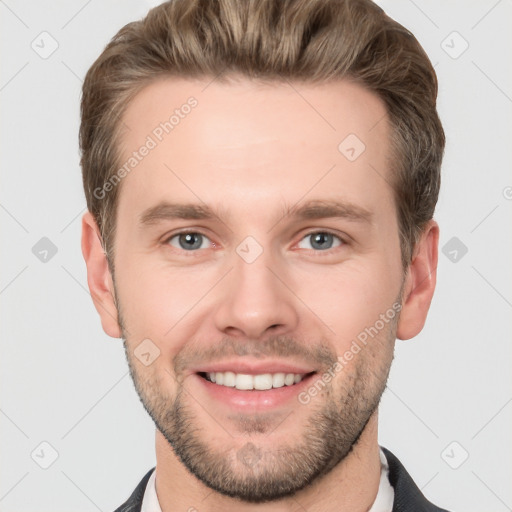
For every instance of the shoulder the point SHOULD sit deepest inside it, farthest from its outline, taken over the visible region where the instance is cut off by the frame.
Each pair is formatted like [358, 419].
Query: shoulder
[408, 498]
[134, 502]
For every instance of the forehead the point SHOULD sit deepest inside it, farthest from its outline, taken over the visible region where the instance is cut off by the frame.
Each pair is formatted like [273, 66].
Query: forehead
[246, 142]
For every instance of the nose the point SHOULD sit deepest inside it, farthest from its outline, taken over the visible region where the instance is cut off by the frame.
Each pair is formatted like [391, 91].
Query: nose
[256, 301]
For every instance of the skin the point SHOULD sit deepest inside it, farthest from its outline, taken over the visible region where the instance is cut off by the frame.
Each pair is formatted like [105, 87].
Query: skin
[247, 150]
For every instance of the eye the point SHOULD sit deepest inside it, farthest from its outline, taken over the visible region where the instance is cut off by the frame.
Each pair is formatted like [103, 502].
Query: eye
[189, 241]
[322, 240]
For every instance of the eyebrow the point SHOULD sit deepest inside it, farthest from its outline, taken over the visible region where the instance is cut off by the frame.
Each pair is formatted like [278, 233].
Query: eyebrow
[314, 209]
[170, 211]
[322, 209]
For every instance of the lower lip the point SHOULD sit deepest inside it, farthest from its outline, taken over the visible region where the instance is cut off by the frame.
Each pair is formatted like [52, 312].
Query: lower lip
[255, 399]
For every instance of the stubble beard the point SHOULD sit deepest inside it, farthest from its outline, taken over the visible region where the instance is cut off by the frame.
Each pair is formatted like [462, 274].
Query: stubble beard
[249, 470]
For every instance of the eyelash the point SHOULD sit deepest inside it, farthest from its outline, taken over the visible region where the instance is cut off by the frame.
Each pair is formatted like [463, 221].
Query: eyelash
[197, 251]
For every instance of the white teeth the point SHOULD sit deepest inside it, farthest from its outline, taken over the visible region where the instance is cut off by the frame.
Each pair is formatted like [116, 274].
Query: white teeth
[244, 381]
[259, 382]
[263, 382]
[278, 380]
[288, 380]
[229, 379]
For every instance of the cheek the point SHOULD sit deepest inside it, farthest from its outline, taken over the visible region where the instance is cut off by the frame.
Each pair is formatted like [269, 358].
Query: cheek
[349, 298]
[157, 301]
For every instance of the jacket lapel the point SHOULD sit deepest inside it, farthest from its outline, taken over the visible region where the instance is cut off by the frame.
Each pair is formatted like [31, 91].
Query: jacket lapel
[408, 498]
[134, 502]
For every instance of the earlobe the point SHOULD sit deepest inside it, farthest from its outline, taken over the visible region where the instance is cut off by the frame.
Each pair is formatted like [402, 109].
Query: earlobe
[99, 278]
[420, 284]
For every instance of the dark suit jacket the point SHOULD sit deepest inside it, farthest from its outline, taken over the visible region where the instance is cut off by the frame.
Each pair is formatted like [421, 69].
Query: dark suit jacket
[408, 498]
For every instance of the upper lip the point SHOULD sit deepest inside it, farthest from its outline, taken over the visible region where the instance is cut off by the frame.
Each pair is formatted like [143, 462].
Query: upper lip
[253, 368]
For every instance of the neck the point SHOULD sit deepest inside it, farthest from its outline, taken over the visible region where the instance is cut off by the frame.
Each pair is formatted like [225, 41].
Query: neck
[352, 485]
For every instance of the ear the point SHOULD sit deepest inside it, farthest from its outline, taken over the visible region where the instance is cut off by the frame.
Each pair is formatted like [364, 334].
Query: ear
[99, 278]
[420, 283]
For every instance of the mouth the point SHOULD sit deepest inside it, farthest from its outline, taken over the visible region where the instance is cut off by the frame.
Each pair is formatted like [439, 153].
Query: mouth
[252, 386]
[257, 382]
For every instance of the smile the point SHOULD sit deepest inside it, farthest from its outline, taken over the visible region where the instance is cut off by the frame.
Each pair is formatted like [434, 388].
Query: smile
[259, 382]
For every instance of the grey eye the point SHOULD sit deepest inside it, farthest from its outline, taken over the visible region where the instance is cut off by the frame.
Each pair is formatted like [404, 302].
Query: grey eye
[322, 240]
[188, 241]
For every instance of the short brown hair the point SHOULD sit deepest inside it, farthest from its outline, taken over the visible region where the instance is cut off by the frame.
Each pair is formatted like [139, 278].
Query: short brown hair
[273, 40]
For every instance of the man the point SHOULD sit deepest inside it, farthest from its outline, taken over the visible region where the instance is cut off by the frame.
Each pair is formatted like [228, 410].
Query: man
[261, 178]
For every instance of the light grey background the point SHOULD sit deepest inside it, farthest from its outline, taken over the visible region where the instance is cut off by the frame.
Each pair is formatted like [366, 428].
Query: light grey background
[66, 383]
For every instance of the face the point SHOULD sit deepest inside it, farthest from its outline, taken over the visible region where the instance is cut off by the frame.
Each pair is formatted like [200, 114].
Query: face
[257, 274]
